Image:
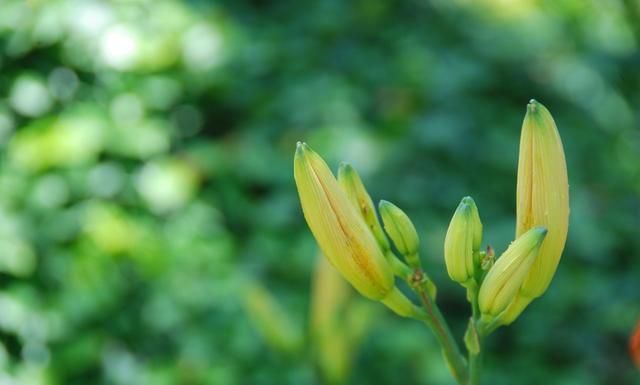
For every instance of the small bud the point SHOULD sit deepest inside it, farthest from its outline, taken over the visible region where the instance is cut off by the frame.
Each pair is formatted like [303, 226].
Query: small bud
[471, 338]
[462, 243]
[342, 234]
[356, 192]
[503, 281]
[488, 259]
[401, 231]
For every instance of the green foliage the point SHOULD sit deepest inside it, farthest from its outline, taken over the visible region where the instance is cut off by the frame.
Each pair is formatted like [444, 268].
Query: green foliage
[146, 179]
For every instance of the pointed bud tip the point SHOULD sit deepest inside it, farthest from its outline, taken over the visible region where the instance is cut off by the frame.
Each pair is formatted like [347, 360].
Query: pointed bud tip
[301, 147]
[464, 207]
[468, 200]
[345, 167]
[540, 232]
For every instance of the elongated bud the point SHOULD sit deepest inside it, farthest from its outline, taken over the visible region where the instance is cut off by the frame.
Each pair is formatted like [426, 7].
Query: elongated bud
[542, 199]
[462, 243]
[339, 229]
[504, 279]
[356, 192]
[271, 319]
[401, 231]
[329, 296]
[543, 193]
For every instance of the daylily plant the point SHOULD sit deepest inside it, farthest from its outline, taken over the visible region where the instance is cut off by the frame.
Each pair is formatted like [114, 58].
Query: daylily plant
[343, 220]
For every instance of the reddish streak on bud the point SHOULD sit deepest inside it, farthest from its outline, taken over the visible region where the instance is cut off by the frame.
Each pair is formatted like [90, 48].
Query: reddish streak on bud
[634, 346]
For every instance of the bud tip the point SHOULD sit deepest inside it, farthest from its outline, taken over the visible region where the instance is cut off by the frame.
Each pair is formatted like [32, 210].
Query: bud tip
[542, 231]
[345, 167]
[467, 200]
[301, 147]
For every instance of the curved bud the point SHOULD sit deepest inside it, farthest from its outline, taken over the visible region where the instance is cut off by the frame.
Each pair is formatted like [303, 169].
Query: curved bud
[340, 231]
[459, 246]
[401, 231]
[504, 279]
[356, 192]
[542, 194]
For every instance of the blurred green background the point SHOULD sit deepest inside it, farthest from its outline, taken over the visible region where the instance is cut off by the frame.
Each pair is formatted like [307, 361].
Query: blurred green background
[150, 231]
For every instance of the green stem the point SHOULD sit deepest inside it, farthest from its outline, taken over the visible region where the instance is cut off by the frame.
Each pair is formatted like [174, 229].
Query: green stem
[434, 319]
[399, 268]
[475, 365]
[475, 359]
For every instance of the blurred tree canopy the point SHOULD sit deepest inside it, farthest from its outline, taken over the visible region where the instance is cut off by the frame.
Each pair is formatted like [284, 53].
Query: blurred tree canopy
[149, 226]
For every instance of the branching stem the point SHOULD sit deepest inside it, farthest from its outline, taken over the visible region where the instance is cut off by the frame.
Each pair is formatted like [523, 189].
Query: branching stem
[436, 322]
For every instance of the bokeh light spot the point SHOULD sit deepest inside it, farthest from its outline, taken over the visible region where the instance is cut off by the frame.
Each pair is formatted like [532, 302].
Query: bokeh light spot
[119, 47]
[202, 47]
[30, 97]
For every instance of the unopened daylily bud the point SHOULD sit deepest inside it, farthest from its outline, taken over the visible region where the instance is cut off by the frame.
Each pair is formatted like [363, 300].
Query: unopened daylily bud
[339, 229]
[504, 279]
[542, 199]
[271, 319]
[401, 231]
[356, 192]
[462, 242]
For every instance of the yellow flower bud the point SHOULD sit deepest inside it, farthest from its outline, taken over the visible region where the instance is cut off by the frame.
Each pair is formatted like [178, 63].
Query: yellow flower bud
[330, 295]
[343, 236]
[504, 279]
[271, 319]
[462, 243]
[401, 231]
[542, 199]
[359, 197]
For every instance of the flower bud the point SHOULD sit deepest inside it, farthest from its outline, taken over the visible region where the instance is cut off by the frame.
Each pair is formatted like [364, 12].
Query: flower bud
[401, 231]
[356, 192]
[542, 199]
[504, 279]
[341, 232]
[271, 319]
[462, 242]
[330, 295]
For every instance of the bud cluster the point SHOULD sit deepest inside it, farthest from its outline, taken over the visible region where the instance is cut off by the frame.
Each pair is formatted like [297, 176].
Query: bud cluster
[362, 246]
